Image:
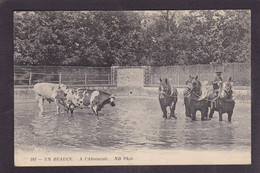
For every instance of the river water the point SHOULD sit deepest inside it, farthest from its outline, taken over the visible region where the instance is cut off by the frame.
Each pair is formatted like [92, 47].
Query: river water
[135, 123]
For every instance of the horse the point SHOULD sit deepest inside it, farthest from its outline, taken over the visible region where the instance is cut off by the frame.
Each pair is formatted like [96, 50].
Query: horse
[195, 98]
[168, 97]
[223, 102]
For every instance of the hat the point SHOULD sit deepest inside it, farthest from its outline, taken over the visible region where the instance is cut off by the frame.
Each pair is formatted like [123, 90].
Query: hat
[218, 72]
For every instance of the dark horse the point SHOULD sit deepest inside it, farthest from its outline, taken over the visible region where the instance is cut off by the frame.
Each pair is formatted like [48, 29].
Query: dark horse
[194, 99]
[167, 97]
[223, 102]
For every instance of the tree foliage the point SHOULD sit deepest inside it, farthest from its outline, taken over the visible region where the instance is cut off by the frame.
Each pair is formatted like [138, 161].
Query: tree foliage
[106, 38]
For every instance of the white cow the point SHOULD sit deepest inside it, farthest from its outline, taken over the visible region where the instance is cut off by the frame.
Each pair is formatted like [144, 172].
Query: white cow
[50, 92]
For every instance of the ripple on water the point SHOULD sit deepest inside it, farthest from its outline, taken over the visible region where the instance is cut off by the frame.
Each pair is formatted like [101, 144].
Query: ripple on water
[133, 123]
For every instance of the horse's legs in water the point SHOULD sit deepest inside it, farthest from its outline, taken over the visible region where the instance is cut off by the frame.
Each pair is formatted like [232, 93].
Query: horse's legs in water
[204, 113]
[220, 115]
[193, 114]
[187, 107]
[230, 115]
[187, 111]
[164, 111]
[211, 112]
[172, 109]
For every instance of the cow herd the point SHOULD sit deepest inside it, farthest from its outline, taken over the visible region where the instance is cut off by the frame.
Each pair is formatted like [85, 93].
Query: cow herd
[71, 98]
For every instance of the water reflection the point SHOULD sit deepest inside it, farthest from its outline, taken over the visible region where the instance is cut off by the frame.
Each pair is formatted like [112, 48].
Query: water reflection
[167, 133]
[133, 123]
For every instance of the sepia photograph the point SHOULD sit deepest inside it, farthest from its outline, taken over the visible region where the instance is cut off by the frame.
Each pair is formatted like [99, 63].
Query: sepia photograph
[161, 87]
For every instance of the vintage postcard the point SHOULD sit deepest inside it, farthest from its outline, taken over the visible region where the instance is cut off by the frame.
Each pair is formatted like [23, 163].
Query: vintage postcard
[165, 87]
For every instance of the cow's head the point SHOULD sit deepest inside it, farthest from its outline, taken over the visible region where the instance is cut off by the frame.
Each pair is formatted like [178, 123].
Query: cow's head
[112, 100]
[57, 93]
[63, 87]
[97, 106]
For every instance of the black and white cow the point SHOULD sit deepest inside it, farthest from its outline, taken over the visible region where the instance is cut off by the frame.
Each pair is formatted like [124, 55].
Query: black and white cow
[83, 98]
[50, 92]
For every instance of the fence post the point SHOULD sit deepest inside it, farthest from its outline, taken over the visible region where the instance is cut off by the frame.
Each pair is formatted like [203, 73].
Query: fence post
[85, 74]
[178, 78]
[172, 77]
[30, 79]
[149, 75]
[233, 71]
[151, 79]
[108, 78]
[60, 78]
[155, 76]
[112, 75]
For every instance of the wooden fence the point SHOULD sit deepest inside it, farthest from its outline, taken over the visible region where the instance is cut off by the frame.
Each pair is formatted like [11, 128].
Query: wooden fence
[103, 76]
[66, 78]
[240, 73]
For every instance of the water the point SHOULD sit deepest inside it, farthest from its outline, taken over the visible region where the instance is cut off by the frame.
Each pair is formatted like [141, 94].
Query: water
[133, 124]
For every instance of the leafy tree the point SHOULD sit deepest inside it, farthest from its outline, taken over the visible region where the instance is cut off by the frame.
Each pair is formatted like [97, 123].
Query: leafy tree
[106, 38]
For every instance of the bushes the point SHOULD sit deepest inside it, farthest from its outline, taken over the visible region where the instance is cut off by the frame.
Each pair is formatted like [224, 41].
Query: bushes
[130, 38]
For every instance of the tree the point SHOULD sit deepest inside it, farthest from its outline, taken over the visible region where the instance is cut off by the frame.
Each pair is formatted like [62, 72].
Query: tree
[155, 38]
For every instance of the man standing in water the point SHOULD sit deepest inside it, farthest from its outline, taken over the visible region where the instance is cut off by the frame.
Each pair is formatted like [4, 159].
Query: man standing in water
[216, 82]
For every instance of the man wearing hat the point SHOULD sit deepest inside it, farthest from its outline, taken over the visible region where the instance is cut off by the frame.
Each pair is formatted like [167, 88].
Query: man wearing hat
[216, 82]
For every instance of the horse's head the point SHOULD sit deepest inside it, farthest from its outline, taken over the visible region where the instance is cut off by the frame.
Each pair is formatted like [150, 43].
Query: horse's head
[193, 84]
[225, 89]
[165, 86]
